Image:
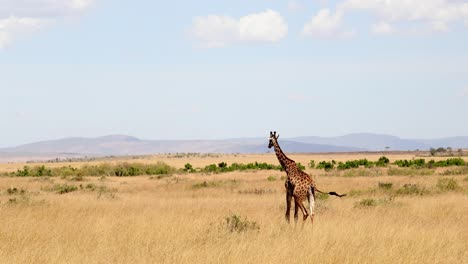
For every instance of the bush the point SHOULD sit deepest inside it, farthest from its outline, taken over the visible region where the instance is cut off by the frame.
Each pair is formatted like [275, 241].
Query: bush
[447, 184]
[235, 223]
[382, 162]
[326, 165]
[15, 190]
[418, 163]
[105, 169]
[385, 185]
[300, 166]
[62, 189]
[223, 167]
[271, 178]
[311, 164]
[188, 168]
[37, 171]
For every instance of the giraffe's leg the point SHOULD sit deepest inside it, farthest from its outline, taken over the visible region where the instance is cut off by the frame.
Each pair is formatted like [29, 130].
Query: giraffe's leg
[312, 203]
[288, 200]
[296, 212]
[300, 203]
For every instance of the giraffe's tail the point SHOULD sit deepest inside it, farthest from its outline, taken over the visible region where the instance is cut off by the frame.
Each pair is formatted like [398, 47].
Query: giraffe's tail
[330, 193]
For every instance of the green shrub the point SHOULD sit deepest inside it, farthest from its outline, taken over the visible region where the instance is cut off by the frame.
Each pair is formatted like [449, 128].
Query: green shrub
[300, 166]
[105, 169]
[311, 164]
[223, 167]
[419, 163]
[65, 188]
[271, 178]
[447, 184]
[326, 165]
[37, 171]
[235, 223]
[23, 173]
[382, 162]
[211, 168]
[188, 168]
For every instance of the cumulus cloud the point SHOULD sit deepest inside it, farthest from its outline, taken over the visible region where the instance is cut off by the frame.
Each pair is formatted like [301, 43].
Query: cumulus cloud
[436, 14]
[21, 18]
[219, 31]
[326, 24]
[16, 27]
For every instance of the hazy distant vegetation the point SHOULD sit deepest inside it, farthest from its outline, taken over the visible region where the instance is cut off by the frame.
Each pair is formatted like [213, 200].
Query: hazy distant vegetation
[356, 167]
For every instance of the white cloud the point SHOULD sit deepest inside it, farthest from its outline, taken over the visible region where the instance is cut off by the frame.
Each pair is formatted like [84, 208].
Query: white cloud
[437, 13]
[382, 28]
[326, 24]
[21, 18]
[15, 27]
[219, 31]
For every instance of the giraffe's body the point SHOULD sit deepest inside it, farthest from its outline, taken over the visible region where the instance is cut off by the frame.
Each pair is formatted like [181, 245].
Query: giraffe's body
[299, 185]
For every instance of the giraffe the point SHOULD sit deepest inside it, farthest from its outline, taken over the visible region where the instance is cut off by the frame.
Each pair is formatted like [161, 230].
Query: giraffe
[298, 183]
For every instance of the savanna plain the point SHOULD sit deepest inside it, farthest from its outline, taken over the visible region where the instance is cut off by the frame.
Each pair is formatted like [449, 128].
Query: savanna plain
[189, 214]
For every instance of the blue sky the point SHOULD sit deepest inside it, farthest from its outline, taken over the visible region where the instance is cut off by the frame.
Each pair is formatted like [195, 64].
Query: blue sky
[217, 69]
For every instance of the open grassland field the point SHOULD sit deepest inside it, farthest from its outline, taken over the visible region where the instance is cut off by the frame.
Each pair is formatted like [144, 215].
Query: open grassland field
[391, 214]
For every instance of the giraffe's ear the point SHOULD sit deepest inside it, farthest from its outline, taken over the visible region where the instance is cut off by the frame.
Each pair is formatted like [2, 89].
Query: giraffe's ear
[277, 136]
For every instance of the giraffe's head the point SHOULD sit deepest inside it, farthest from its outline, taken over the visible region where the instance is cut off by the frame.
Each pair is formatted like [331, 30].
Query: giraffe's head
[273, 139]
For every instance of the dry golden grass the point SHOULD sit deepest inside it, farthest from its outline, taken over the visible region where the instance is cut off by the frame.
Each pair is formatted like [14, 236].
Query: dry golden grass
[143, 220]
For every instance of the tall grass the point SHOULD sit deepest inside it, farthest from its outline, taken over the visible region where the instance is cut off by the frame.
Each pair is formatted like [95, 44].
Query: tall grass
[156, 222]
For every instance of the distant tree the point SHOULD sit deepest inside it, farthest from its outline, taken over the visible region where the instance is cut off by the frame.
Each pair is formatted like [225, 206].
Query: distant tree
[460, 152]
[449, 149]
[433, 151]
[441, 149]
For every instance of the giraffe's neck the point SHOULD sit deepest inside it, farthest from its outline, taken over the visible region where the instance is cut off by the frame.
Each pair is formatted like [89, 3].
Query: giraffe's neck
[287, 163]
